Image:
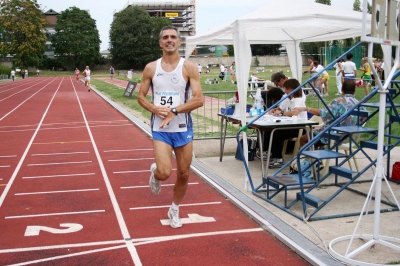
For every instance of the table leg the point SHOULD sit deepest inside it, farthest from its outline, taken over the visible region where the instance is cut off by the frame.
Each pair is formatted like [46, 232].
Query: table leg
[222, 138]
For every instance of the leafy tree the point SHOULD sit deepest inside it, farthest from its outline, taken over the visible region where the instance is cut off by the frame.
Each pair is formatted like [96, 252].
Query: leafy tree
[357, 5]
[22, 33]
[134, 38]
[76, 38]
[231, 50]
[265, 49]
[325, 2]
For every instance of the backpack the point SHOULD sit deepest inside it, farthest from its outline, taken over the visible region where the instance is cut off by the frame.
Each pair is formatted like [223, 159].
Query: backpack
[305, 166]
[251, 144]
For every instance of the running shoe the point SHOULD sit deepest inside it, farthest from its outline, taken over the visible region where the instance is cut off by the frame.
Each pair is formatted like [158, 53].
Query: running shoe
[265, 155]
[276, 163]
[174, 220]
[155, 185]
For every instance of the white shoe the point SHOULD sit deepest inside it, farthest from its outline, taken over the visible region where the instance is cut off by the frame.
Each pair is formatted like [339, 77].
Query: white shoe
[155, 185]
[174, 220]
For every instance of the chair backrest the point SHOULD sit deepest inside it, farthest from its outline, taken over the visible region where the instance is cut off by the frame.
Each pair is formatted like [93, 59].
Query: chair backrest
[318, 119]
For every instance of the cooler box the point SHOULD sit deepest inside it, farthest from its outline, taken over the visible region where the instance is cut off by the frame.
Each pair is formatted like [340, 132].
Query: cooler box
[231, 108]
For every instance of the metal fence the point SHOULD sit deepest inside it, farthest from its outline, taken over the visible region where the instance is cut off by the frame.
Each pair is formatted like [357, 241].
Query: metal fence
[206, 122]
[3, 76]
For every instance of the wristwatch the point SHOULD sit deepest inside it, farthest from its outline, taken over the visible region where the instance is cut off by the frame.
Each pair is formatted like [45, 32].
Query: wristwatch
[174, 111]
[282, 112]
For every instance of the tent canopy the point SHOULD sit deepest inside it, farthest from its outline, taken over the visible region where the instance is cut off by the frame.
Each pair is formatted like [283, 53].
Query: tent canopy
[287, 22]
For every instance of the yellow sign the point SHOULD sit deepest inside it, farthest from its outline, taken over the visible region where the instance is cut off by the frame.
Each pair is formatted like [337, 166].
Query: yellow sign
[171, 15]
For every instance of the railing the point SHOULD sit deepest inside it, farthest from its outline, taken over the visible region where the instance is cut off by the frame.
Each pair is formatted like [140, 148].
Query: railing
[206, 123]
[3, 76]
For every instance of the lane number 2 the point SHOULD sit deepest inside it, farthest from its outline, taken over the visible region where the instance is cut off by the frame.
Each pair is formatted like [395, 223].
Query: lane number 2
[34, 230]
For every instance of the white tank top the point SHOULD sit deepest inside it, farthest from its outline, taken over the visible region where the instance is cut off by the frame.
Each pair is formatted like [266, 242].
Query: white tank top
[170, 89]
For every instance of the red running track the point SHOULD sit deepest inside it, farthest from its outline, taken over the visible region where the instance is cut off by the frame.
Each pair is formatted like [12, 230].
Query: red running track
[74, 191]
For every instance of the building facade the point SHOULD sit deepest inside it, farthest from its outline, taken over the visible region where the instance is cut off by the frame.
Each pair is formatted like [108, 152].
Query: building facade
[51, 17]
[182, 13]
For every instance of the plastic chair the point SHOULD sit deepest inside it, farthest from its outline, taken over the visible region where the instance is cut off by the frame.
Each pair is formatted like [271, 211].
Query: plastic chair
[297, 140]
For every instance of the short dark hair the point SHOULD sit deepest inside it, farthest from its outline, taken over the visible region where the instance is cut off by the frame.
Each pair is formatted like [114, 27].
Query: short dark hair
[349, 56]
[349, 86]
[276, 77]
[169, 27]
[275, 94]
[315, 62]
[293, 84]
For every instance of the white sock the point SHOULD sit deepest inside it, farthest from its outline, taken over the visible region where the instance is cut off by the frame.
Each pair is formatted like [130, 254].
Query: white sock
[175, 207]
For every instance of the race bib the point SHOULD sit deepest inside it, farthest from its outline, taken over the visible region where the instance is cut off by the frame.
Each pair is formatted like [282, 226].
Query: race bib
[167, 98]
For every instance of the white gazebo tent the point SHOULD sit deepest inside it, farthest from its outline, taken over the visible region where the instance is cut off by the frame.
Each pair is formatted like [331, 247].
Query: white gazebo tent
[287, 22]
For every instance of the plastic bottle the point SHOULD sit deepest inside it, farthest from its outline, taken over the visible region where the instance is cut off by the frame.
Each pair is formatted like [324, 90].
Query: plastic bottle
[259, 102]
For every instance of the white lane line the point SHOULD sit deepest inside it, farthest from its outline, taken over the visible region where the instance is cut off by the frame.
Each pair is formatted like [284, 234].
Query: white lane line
[166, 185]
[88, 244]
[1, 178]
[7, 156]
[44, 176]
[70, 255]
[139, 171]
[140, 159]
[56, 191]
[66, 123]
[40, 164]
[18, 167]
[180, 205]
[145, 241]
[137, 241]
[129, 150]
[4, 166]
[118, 213]
[60, 128]
[23, 101]
[59, 153]
[52, 214]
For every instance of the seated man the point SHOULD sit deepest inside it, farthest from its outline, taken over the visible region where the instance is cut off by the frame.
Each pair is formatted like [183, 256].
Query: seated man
[338, 106]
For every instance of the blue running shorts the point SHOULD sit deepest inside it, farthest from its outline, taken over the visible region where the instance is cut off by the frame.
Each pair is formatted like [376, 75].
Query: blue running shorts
[174, 139]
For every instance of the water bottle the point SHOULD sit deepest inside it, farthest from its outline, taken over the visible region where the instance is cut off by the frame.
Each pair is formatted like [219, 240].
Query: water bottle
[259, 102]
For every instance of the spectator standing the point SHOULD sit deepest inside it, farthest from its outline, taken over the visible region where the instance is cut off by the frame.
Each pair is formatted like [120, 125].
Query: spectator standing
[366, 76]
[324, 77]
[207, 69]
[221, 71]
[13, 74]
[23, 73]
[26, 73]
[233, 72]
[111, 72]
[339, 75]
[199, 69]
[171, 122]
[37, 72]
[349, 68]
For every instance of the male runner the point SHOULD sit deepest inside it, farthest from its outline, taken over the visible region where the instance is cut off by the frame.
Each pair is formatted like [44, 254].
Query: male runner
[176, 89]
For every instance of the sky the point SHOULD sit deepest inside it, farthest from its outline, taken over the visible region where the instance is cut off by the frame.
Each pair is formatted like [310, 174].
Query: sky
[209, 13]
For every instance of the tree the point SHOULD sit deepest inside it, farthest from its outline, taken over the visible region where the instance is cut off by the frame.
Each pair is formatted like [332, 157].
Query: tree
[265, 49]
[325, 2]
[357, 5]
[76, 38]
[22, 32]
[134, 38]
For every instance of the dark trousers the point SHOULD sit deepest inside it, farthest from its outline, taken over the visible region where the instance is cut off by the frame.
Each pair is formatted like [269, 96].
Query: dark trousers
[277, 142]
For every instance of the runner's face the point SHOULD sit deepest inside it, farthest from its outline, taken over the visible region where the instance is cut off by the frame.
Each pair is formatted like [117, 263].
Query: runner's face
[169, 41]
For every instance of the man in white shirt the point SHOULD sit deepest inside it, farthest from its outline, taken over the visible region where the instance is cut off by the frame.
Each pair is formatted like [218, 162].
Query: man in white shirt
[222, 71]
[349, 68]
[339, 74]
[13, 75]
[87, 77]
[199, 69]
